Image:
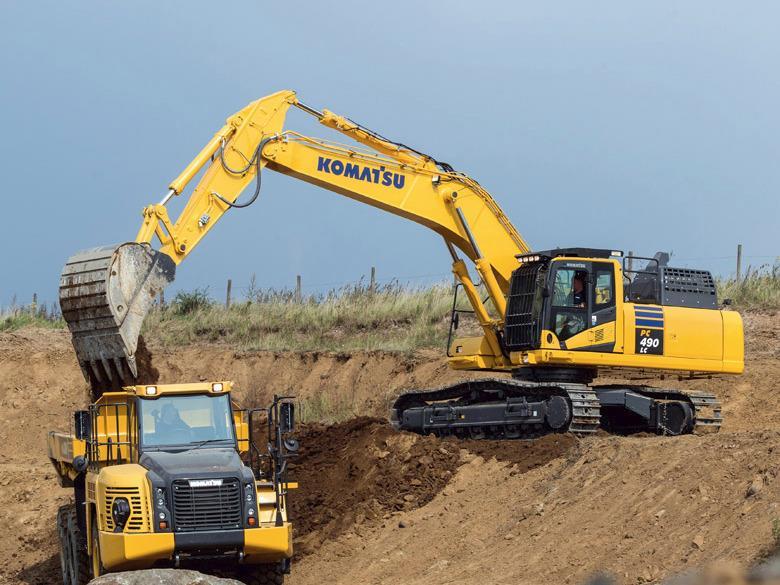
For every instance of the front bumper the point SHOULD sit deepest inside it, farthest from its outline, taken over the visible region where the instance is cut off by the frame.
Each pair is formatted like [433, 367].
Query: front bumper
[121, 551]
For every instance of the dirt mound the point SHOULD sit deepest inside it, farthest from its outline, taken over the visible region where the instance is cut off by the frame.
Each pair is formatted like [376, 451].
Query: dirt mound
[638, 508]
[363, 470]
[523, 455]
[147, 373]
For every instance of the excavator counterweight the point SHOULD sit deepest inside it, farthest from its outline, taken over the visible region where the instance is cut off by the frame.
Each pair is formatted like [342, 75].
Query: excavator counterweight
[105, 294]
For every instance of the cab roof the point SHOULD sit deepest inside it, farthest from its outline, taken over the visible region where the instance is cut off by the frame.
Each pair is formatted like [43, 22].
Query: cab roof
[575, 253]
[153, 390]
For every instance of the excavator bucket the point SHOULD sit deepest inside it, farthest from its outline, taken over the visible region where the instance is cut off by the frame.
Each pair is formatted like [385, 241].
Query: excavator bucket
[105, 293]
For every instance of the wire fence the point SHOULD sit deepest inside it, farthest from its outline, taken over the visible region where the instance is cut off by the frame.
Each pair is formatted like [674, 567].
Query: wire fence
[252, 288]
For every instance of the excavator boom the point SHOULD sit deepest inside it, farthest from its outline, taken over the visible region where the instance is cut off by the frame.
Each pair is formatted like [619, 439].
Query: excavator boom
[106, 292]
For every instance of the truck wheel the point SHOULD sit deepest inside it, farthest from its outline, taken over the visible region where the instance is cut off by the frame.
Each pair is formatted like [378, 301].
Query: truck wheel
[96, 560]
[270, 574]
[66, 559]
[77, 550]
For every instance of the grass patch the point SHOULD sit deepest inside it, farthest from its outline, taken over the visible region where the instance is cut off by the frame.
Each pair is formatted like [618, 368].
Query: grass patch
[17, 317]
[391, 317]
[758, 289]
[321, 408]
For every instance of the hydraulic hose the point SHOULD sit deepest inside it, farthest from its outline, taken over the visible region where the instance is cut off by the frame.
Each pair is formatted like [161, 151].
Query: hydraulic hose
[255, 160]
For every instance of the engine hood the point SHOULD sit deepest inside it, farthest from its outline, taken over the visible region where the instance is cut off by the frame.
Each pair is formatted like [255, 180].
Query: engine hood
[195, 463]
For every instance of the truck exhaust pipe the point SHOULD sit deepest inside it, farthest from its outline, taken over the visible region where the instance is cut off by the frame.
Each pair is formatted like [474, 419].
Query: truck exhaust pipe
[105, 294]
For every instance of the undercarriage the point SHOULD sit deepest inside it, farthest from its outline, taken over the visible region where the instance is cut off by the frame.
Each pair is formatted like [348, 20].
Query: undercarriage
[502, 408]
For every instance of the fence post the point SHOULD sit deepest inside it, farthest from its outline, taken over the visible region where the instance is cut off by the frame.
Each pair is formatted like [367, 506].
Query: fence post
[372, 282]
[739, 261]
[229, 289]
[298, 296]
[34, 305]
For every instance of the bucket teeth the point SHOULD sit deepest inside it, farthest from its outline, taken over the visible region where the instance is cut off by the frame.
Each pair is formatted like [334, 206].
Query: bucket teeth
[105, 293]
[107, 369]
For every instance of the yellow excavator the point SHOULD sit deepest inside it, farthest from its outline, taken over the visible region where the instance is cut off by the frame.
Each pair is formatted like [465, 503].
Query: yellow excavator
[554, 319]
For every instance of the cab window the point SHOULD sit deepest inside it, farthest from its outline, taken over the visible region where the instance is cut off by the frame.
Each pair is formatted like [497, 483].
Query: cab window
[569, 300]
[567, 292]
[184, 420]
[603, 287]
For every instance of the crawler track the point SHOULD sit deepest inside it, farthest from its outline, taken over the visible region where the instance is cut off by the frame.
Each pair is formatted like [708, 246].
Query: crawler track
[530, 409]
[500, 408]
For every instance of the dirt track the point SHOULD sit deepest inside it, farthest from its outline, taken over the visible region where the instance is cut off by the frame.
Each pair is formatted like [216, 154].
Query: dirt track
[555, 510]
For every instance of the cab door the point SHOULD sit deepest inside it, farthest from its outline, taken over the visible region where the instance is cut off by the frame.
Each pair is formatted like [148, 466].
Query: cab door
[603, 313]
[582, 308]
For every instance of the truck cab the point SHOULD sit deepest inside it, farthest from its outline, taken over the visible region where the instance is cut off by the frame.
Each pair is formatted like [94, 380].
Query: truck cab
[171, 475]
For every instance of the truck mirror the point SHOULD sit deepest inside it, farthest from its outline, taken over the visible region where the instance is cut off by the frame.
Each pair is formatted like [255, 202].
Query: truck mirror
[287, 416]
[545, 292]
[83, 424]
[456, 321]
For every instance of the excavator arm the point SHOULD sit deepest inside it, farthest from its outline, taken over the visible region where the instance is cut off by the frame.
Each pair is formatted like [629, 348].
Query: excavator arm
[106, 292]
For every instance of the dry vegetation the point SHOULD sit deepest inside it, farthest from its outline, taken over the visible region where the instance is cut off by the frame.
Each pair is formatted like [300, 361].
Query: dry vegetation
[390, 317]
[758, 290]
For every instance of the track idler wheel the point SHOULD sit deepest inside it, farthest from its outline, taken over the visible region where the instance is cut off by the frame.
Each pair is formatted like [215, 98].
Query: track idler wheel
[558, 413]
[675, 417]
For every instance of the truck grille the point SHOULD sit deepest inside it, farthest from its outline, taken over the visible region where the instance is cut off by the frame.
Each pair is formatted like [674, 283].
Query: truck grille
[207, 507]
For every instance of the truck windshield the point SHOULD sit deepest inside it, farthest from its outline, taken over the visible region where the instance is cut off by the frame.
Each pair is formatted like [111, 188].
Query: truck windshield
[186, 421]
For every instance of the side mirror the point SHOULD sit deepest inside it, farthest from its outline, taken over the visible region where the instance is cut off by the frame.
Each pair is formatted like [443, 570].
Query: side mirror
[83, 424]
[546, 292]
[455, 321]
[287, 417]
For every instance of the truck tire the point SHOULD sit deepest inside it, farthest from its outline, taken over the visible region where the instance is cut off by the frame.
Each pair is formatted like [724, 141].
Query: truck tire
[66, 559]
[96, 561]
[78, 551]
[268, 574]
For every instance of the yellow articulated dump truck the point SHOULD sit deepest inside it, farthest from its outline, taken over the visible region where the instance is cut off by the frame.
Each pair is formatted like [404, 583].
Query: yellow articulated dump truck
[173, 475]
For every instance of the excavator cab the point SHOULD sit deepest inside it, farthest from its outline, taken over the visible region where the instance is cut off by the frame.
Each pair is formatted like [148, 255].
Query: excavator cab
[583, 309]
[564, 299]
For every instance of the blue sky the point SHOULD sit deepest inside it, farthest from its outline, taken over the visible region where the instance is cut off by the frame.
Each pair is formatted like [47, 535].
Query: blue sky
[639, 126]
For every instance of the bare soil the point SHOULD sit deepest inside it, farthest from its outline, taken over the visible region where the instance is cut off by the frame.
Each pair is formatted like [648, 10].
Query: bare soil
[375, 506]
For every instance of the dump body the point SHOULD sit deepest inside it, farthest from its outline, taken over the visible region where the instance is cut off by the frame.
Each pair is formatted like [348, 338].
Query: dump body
[162, 475]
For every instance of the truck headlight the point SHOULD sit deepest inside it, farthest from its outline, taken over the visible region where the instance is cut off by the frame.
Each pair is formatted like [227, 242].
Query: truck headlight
[120, 512]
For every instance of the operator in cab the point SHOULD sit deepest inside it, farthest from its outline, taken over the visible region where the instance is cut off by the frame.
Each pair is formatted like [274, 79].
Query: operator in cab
[578, 294]
[170, 426]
